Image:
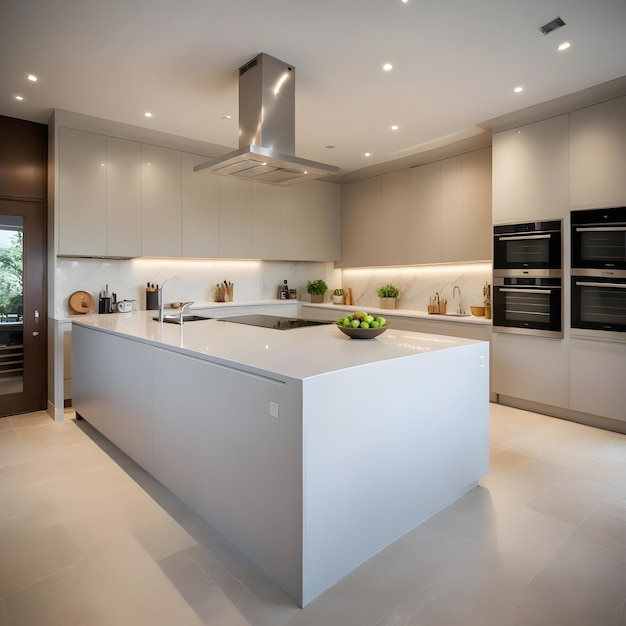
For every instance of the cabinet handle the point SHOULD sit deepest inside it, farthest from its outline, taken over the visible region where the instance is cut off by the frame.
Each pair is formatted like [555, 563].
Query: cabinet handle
[601, 229]
[587, 284]
[508, 290]
[524, 237]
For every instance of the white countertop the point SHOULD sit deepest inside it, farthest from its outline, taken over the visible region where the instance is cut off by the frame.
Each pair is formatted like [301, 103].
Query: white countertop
[298, 353]
[408, 313]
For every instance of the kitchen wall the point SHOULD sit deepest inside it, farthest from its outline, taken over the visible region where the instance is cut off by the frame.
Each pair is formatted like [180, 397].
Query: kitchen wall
[418, 283]
[189, 279]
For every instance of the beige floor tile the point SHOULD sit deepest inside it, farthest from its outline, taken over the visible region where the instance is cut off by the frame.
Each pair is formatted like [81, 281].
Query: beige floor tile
[128, 588]
[161, 537]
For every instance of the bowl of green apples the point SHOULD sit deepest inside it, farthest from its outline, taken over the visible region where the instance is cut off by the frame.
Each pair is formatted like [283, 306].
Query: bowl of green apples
[361, 325]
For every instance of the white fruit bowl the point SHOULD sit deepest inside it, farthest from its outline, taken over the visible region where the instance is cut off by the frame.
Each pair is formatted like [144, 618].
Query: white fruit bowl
[362, 333]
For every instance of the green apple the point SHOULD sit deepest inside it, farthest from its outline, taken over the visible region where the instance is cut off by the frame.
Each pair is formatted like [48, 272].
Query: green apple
[381, 321]
[360, 314]
[347, 322]
[355, 323]
[364, 325]
[374, 324]
[368, 318]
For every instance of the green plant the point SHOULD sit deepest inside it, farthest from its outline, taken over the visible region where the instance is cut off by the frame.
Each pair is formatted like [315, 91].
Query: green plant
[388, 291]
[316, 287]
[338, 292]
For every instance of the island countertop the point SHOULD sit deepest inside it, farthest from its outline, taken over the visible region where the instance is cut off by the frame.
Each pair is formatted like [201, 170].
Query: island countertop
[297, 353]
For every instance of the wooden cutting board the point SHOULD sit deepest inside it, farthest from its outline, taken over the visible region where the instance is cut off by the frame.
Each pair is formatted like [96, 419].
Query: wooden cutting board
[81, 302]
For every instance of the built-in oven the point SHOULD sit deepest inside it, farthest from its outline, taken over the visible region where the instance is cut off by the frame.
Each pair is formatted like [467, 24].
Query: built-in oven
[599, 300]
[528, 246]
[599, 239]
[528, 305]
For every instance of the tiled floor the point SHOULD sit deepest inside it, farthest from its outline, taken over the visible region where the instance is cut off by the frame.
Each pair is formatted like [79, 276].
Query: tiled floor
[87, 538]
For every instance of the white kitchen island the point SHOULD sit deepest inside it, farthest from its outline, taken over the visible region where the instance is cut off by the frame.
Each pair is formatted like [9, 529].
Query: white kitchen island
[308, 451]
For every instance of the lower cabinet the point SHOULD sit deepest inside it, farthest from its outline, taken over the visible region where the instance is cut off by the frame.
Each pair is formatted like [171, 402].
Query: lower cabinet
[598, 378]
[534, 369]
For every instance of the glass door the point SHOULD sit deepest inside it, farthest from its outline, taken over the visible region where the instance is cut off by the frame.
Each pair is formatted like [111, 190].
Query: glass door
[22, 332]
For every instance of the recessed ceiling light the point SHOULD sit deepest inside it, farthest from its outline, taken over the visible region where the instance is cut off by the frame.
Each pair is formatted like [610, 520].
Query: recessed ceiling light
[394, 127]
[404, 1]
[564, 46]
[368, 154]
[19, 97]
[32, 78]
[518, 89]
[387, 67]
[226, 117]
[148, 114]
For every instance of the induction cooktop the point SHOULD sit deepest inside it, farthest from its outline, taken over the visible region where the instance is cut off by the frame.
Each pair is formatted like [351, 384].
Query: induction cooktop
[273, 321]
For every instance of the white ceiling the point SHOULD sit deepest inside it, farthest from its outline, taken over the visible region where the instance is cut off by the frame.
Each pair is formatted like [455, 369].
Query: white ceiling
[456, 63]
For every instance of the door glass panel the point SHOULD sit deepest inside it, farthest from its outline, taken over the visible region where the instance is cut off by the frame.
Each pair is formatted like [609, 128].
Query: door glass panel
[11, 304]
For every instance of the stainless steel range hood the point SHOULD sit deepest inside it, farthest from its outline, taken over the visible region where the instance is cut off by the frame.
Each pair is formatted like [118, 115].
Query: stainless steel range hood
[267, 128]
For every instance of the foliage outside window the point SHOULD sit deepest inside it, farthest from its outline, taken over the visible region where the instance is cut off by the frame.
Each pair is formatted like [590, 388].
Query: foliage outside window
[12, 276]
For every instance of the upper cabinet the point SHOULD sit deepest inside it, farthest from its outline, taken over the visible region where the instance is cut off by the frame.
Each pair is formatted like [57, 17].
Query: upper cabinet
[310, 221]
[200, 210]
[123, 197]
[435, 213]
[82, 193]
[598, 155]
[235, 218]
[161, 213]
[531, 171]
[361, 220]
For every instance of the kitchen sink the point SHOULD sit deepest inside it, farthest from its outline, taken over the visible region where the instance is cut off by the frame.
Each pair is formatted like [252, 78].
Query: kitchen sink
[175, 319]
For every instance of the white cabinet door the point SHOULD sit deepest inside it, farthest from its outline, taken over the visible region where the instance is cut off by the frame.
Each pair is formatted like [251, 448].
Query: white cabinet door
[428, 231]
[451, 210]
[598, 155]
[362, 218]
[123, 197]
[311, 221]
[235, 218]
[161, 219]
[266, 220]
[476, 240]
[200, 210]
[598, 377]
[397, 217]
[530, 368]
[531, 171]
[82, 210]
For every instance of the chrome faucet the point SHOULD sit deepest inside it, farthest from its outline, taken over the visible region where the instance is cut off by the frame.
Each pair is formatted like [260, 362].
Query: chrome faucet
[183, 308]
[460, 309]
[161, 303]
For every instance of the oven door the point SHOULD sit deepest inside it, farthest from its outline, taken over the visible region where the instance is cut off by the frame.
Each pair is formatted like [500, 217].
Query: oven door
[535, 246]
[599, 239]
[528, 306]
[599, 302]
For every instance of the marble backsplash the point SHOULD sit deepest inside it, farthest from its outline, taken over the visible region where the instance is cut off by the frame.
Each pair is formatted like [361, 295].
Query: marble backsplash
[418, 283]
[195, 279]
[187, 279]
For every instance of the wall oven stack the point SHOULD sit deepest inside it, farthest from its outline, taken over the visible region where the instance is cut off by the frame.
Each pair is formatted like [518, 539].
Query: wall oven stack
[598, 273]
[527, 279]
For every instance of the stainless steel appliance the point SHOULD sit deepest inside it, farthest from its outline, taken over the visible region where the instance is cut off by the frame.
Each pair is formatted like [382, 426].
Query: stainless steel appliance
[267, 133]
[599, 300]
[599, 239]
[528, 305]
[527, 246]
[273, 321]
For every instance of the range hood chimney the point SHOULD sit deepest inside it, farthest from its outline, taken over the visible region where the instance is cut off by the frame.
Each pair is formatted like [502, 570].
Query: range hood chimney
[267, 119]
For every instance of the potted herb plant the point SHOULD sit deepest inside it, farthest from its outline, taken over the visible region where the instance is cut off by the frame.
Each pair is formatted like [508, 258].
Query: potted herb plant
[316, 289]
[339, 297]
[388, 294]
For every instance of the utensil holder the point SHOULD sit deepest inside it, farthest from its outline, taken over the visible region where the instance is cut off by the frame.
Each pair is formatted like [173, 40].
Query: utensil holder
[438, 309]
[152, 300]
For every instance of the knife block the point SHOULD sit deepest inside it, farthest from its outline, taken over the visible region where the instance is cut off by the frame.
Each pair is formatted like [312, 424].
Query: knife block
[152, 300]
